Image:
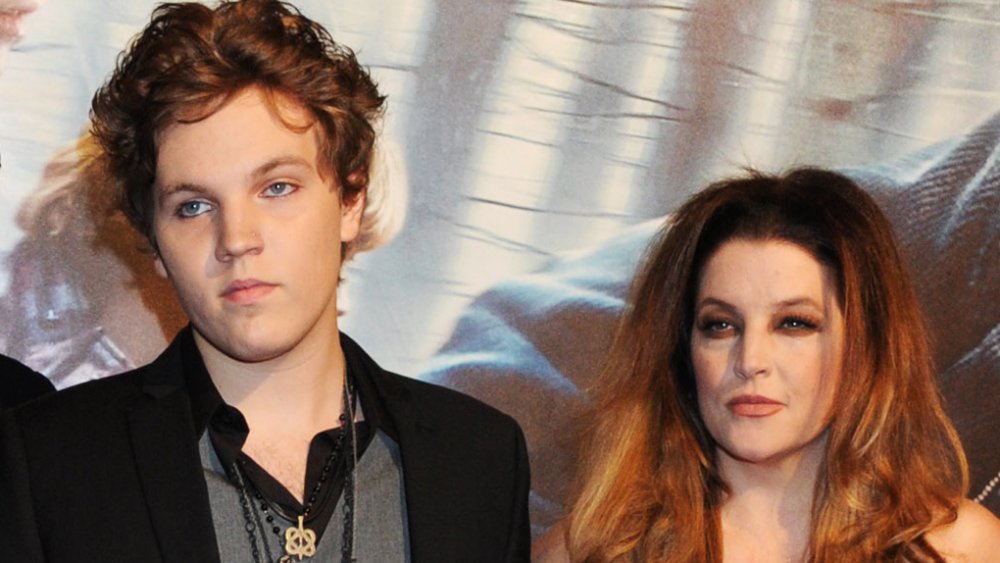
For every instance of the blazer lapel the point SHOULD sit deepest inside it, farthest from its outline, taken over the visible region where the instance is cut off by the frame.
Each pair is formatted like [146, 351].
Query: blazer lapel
[429, 531]
[169, 466]
[432, 534]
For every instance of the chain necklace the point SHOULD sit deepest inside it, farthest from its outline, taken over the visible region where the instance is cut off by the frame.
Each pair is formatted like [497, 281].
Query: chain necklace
[299, 541]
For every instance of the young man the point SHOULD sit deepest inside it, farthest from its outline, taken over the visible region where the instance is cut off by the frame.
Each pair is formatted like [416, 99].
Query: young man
[241, 138]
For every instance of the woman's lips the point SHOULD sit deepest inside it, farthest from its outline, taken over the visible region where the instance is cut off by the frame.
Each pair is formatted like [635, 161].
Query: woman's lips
[754, 406]
[247, 291]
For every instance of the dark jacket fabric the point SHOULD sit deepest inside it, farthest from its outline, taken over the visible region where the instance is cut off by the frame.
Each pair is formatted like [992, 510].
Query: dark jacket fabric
[19, 383]
[109, 471]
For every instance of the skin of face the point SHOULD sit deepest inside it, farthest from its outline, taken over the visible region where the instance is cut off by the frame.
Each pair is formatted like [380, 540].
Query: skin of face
[766, 348]
[12, 14]
[249, 229]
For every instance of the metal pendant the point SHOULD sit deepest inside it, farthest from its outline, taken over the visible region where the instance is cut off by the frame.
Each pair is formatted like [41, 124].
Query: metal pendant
[299, 542]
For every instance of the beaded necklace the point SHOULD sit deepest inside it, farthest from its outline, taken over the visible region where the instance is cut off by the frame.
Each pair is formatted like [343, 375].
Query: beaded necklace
[298, 540]
[988, 488]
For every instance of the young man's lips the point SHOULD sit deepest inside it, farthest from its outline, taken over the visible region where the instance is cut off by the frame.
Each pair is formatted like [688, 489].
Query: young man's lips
[247, 291]
[754, 406]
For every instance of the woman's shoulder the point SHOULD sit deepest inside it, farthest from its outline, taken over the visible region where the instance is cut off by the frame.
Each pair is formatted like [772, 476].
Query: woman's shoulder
[973, 537]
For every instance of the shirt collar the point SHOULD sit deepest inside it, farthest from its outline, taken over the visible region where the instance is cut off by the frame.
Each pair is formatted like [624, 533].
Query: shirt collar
[206, 402]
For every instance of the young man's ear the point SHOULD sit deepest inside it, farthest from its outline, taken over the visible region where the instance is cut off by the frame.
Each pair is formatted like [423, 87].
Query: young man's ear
[350, 216]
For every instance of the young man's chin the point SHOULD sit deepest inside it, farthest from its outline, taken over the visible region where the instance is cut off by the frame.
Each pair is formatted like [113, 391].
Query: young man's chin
[246, 346]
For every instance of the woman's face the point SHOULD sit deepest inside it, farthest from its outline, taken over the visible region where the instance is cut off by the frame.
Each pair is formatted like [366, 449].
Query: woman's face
[766, 347]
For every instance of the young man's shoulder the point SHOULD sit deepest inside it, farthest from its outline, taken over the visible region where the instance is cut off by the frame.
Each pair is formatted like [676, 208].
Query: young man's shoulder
[448, 403]
[108, 396]
[81, 409]
[463, 425]
[428, 403]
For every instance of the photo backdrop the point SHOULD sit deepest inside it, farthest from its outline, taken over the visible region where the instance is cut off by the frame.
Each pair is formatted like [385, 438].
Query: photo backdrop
[532, 148]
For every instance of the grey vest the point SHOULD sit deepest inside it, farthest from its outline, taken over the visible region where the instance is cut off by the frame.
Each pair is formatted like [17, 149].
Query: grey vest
[381, 532]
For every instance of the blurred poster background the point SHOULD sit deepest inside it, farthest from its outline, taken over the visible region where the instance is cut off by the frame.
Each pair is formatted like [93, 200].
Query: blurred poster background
[529, 143]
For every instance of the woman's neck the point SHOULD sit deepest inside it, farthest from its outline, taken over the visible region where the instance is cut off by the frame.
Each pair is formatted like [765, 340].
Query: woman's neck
[767, 516]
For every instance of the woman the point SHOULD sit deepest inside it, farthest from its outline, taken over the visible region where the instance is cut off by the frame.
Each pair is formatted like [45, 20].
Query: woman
[770, 396]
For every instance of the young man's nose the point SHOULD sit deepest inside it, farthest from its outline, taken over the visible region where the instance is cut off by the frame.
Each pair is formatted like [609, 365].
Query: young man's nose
[238, 234]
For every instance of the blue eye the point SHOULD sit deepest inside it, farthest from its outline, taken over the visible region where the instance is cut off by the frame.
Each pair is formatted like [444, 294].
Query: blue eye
[278, 189]
[192, 208]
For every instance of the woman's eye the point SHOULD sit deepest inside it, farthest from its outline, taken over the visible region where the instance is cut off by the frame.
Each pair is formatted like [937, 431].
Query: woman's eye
[278, 189]
[715, 327]
[799, 323]
[192, 208]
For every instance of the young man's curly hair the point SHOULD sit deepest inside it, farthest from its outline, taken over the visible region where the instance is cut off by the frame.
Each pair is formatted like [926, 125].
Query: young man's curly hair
[191, 59]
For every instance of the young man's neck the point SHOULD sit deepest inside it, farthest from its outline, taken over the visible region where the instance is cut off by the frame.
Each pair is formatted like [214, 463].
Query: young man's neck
[300, 390]
[286, 401]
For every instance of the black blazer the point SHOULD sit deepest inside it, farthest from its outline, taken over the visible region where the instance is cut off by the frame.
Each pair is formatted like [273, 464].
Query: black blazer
[18, 383]
[109, 471]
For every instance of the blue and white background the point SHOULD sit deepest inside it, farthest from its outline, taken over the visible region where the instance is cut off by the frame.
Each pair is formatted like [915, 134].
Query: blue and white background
[533, 148]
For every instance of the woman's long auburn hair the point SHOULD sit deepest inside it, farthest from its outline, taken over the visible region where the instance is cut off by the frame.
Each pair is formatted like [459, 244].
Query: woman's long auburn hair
[648, 486]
